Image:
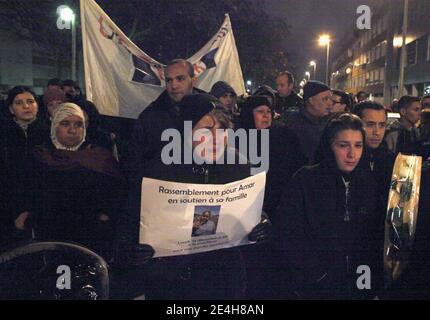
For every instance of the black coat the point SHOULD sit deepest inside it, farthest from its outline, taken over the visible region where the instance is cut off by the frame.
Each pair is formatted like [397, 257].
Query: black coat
[308, 130]
[15, 154]
[322, 249]
[146, 141]
[212, 275]
[285, 159]
[70, 189]
[292, 102]
[379, 163]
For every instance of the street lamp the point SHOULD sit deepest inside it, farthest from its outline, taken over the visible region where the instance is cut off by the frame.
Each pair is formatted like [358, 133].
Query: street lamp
[314, 65]
[307, 74]
[68, 16]
[324, 40]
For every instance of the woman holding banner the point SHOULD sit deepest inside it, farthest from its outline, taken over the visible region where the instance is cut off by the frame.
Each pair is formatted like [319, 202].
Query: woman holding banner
[331, 229]
[212, 275]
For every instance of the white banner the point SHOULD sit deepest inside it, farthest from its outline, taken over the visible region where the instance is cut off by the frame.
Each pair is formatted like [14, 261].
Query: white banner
[122, 80]
[180, 218]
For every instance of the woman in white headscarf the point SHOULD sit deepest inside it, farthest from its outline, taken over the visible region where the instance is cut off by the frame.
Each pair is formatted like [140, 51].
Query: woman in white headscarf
[77, 187]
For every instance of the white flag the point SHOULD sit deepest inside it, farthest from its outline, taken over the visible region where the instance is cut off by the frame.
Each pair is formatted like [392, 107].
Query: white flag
[122, 80]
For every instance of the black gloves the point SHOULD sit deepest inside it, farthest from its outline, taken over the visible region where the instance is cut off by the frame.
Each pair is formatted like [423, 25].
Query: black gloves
[132, 255]
[141, 254]
[261, 232]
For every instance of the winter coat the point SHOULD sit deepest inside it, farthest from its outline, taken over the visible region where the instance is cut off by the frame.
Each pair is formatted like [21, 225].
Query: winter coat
[308, 129]
[286, 104]
[212, 275]
[380, 163]
[284, 158]
[70, 189]
[326, 235]
[400, 139]
[146, 141]
[15, 156]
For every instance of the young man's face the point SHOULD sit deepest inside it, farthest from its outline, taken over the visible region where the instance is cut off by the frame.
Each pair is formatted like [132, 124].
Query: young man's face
[283, 86]
[412, 114]
[338, 106]
[375, 124]
[178, 81]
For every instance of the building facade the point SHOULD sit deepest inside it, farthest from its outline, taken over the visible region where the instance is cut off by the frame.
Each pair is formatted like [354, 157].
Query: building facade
[369, 60]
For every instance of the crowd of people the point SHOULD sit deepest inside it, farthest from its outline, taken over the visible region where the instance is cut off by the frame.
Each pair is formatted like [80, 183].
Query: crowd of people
[331, 155]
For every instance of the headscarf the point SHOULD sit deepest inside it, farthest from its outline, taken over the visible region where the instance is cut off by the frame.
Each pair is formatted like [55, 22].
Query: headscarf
[65, 110]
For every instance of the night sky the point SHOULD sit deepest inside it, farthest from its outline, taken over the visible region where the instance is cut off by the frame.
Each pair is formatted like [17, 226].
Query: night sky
[308, 19]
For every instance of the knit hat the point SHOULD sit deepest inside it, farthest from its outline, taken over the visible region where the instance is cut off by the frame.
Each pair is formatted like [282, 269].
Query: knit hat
[196, 106]
[54, 94]
[65, 110]
[312, 88]
[246, 113]
[266, 91]
[221, 88]
[255, 101]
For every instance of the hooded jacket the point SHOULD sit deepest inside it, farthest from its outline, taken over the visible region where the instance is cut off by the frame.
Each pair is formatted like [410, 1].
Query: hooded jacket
[328, 229]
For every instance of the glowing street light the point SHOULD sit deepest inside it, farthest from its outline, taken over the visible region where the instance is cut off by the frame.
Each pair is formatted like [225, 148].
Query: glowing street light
[324, 40]
[314, 65]
[68, 15]
[307, 74]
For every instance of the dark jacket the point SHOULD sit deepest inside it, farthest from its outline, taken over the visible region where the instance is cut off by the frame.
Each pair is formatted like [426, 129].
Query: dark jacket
[285, 160]
[15, 154]
[146, 141]
[70, 189]
[401, 139]
[325, 238]
[308, 129]
[379, 162]
[212, 275]
[286, 104]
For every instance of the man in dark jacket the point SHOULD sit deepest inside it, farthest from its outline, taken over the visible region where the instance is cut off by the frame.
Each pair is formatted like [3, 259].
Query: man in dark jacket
[376, 158]
[308, 123]
[161, 114]
[286, 99]
[404, 136]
